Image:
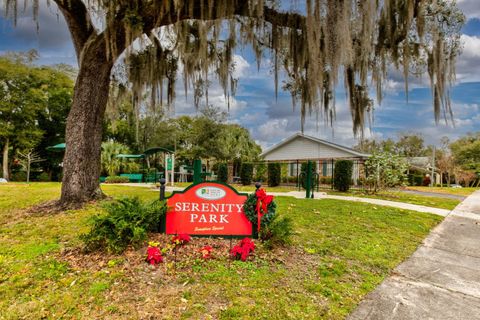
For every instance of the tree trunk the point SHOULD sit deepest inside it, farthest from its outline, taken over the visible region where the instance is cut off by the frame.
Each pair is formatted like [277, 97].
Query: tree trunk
[5, 160]
[230, 172]
[28, 167]
[81, 164]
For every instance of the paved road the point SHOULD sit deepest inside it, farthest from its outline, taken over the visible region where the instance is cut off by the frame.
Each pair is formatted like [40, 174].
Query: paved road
[433, 194]
[441, 280]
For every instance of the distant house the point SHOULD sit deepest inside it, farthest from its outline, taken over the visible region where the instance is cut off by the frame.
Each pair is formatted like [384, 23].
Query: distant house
[300, 148]
[424, 166]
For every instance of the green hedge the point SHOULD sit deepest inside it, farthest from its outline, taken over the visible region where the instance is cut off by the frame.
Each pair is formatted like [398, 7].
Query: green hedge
[246, 173]
[19, 176]
[274, 174]
[415, 179]
[116, 179]
[303, 177]
[43, 177]
[260, 172]
[222, 174]
[343, 175]
[325, 180]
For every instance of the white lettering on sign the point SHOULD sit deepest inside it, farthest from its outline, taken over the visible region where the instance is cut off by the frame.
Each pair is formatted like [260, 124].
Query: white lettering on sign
[208, 207]
[208, 218]
[210, 193]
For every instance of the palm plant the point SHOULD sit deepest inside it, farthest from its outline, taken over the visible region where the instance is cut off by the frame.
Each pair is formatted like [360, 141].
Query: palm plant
[110, 163]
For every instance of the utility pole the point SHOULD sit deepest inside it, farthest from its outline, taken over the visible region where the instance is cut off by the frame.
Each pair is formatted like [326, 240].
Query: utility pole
[433, 169]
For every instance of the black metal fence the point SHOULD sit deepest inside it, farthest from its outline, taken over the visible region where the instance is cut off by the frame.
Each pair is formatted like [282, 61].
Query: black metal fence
[292, 173]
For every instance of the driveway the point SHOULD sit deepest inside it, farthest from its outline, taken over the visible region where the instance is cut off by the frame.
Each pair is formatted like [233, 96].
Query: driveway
[441, 280]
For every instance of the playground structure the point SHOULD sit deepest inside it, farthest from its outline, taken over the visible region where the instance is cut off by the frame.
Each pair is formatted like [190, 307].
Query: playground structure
[168, 173]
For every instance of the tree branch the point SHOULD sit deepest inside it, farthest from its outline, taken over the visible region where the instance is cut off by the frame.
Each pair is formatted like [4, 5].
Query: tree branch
[199, 10]
[78, 21]
[156, 14]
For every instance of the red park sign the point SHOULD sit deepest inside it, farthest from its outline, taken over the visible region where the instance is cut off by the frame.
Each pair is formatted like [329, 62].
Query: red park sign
[207, 208]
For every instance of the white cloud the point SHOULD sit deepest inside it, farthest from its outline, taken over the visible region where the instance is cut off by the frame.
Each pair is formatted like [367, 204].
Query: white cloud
[471, 47]
[468, 63]
[241, 66]
[471, 8]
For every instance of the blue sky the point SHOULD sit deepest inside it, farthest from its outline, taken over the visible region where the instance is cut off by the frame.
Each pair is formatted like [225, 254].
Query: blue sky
[270, 120]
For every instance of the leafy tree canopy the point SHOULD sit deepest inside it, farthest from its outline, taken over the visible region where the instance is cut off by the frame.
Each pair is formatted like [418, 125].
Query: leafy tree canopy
[466, 152]
[34, 102]
[407, 145]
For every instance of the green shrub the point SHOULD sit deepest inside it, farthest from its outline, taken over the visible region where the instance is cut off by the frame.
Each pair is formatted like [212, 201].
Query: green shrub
[303, 175]
[292, 179]
[126, 222]
[260, 172]
[415, 179]
[116, 179]
[246, 173]
[326, 180]
[277, 233]
[385, 170]
[273, 230]
[303, 166]
[274, 174]
[222, 174]
[19, 176]
[43, 177]
[343, 175]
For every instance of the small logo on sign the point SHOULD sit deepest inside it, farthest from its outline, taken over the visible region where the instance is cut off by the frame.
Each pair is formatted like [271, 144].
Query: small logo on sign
[210, 193]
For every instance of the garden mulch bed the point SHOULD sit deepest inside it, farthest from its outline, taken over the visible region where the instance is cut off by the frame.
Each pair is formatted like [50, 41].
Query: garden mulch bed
[156, 292]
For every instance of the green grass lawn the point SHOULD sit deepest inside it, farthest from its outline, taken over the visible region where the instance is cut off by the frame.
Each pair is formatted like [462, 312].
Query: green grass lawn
[447, 190]
[340, 252]
[435, 202]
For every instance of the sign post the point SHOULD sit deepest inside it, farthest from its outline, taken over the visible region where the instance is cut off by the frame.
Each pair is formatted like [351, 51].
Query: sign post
[208, 208]
[197, 171]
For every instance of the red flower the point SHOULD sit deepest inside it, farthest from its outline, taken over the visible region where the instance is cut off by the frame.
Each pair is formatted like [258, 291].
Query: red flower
[182, 238]
[206, 252]
[154, 256]
[243, 250]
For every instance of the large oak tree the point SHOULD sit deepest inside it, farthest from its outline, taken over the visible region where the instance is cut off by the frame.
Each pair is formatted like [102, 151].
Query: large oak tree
[315, 45]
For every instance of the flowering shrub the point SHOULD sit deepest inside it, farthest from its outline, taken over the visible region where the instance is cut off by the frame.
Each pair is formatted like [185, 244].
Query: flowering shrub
[206, 252]
[243, 249]
[181, 239]
[154, 256]
[385, 170]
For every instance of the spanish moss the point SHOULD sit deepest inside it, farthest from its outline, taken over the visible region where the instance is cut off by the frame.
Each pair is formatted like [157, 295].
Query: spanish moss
[315, 46]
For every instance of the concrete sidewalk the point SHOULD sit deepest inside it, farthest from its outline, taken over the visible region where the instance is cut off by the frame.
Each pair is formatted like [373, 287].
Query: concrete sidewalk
[441, 280]
[400, 205]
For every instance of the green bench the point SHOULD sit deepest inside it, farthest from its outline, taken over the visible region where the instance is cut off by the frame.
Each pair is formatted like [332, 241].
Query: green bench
[153, 177]
[133, 177]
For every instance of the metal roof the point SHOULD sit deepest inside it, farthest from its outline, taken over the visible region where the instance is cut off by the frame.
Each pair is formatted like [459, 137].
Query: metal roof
[316, 140]
[157, 149]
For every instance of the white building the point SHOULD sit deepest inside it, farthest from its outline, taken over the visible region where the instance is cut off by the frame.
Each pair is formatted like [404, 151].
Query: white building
[300, 148]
